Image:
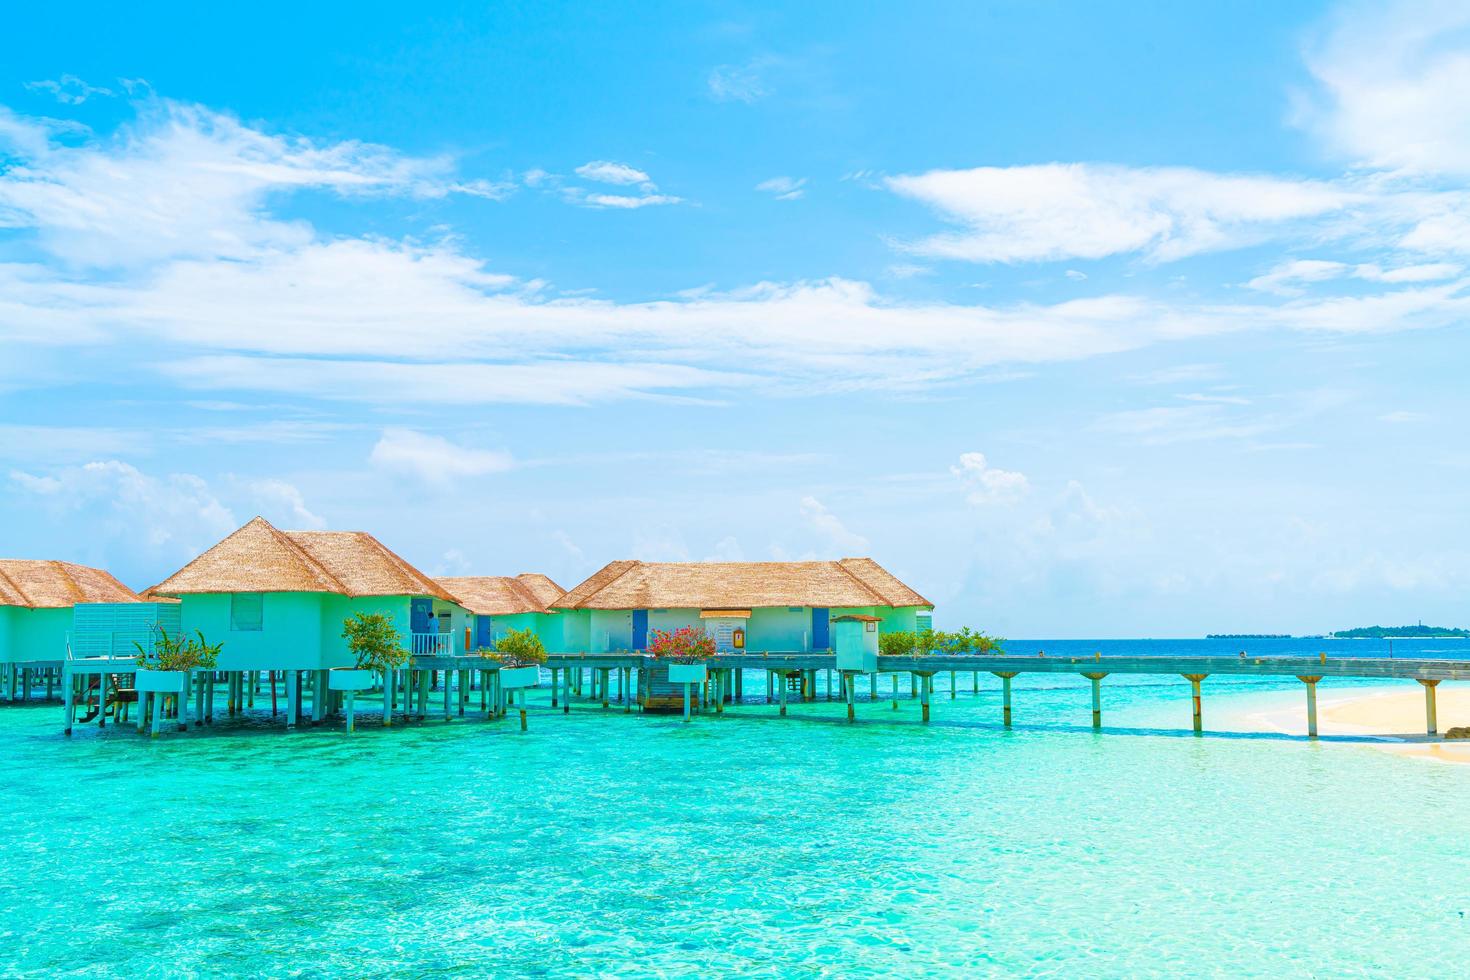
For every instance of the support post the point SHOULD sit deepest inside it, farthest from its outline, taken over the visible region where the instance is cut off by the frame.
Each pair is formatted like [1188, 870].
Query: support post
[781, 683]
[69, 695]
[850, 682]
[953, 686]
[686, 700]
[1005, 688]
[351, 712]
[1431, 723]
[926, 689]
[1311, 683]
[293, 702]
[1194, 680]
[1096, 679]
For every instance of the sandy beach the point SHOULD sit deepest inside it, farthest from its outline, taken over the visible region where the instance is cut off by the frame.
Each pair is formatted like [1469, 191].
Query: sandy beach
[1390, 718]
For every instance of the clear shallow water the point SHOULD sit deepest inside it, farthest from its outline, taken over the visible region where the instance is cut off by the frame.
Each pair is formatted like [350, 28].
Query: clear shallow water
[616, 844]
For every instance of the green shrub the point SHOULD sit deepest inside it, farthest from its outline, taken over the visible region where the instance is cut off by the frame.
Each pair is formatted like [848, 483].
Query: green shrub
[178, 652]
[900, 643]
[374, 641]
[518, 648]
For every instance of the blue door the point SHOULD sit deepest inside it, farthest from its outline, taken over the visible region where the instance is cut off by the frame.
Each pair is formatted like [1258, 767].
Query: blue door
[821, 629]
[484, 635]
[419, 609]
[640, 629]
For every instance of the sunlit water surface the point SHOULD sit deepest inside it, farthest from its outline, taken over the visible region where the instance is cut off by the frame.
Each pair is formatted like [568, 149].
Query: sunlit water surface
[606, 843]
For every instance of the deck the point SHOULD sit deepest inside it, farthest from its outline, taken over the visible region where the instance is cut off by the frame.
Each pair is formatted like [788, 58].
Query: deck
[590, 676]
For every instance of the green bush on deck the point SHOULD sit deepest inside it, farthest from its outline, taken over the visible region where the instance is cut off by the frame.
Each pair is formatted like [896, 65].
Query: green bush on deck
[374, 641]
[518, 648]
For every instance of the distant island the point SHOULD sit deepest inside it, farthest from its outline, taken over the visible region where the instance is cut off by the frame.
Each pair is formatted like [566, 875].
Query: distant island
[1401, 632]
[1247, 636]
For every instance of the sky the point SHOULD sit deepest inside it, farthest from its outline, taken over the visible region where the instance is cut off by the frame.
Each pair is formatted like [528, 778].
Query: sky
[1084, 318]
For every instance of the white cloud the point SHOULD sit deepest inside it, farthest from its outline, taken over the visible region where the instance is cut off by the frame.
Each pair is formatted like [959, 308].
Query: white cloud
[783, 188]
[216, 293]
[390, 382]
[1401, 417]
[1394, 85]
[608, 172]
[68, 89]
[1166, 425]
[1079, 210]
[661, 543]
[434, 459]
[1287, 278]
[174, 515]
[727, 549]
[277, 497]
[827, 524]
[187, 182]
[737, 83]
[52, 444]
[626, 202]
[988, 485]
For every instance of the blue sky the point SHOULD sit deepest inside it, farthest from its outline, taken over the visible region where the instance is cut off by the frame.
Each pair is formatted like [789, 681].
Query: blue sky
[1087, 319]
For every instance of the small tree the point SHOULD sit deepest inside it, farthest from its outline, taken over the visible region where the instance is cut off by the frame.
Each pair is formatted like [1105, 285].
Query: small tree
[517, 648]
[374, 641]
[688, 645]
[965, 641]
[899, 643]
[179, 652]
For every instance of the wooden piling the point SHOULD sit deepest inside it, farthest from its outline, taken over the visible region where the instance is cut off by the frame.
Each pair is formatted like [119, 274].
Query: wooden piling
[293, 703]
[1096, 679]
[1431, 722]
[1194, 681]
[1005, 695]
[1311, 682]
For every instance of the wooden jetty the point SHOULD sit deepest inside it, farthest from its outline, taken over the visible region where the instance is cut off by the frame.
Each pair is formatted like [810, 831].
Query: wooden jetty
[629, 679]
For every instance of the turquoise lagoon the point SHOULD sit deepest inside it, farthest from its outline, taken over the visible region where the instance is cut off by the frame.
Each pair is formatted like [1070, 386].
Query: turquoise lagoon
[612, 844]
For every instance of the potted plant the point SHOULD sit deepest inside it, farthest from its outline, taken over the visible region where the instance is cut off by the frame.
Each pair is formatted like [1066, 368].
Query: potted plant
[164, 665]
[377, 647]
[686, 650]
[520, 654]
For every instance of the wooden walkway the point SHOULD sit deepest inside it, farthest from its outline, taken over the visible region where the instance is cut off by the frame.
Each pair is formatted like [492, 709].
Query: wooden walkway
[1309, 670]
[626, 678]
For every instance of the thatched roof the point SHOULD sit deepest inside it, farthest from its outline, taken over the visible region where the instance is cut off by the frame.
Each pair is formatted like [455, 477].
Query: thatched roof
[260, 558]
[542, 587]
[57, 584]
[503, 595]
[722, 585]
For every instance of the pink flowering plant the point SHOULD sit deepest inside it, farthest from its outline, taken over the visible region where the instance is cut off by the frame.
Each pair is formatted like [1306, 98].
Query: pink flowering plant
[688, 645]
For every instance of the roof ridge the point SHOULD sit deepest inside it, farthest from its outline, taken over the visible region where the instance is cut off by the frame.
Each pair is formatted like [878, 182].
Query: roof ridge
[281, 537]
[73, 587]
[841, 563]
[518, 586]
[627, 565]
[15, 586]
[432, 587]
[315, 566]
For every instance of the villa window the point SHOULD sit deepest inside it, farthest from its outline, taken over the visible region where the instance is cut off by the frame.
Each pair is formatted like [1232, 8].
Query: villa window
[247, 612]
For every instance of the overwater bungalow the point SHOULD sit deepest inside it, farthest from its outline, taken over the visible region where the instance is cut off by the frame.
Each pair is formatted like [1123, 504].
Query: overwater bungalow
[277, 599]
[753, 606]
[499, 603]
[38, 601]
